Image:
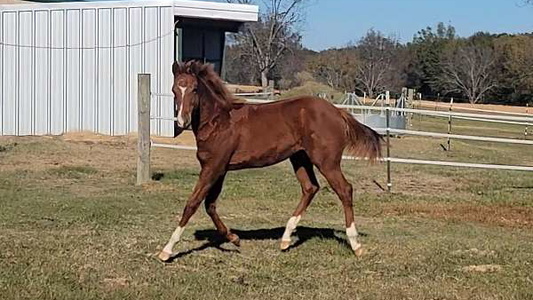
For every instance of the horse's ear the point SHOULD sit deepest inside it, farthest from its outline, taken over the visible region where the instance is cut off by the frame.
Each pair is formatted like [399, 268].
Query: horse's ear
[175, 68]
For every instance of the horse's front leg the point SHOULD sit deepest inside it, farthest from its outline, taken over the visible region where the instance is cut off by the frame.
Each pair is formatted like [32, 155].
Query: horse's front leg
[211, 209]
[208, 177]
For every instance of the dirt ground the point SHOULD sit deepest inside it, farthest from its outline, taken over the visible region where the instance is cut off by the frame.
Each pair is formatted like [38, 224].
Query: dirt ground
[467, 106]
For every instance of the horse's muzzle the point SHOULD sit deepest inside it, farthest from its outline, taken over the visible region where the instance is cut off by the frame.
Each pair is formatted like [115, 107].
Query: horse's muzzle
[178, 129]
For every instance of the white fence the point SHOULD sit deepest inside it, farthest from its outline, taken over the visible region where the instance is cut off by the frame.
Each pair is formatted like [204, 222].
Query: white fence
[389, 131]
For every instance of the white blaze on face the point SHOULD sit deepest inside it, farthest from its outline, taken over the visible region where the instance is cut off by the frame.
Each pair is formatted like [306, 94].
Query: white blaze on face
[183, 90]
[291, 225]
[176, 236]
[351, 232]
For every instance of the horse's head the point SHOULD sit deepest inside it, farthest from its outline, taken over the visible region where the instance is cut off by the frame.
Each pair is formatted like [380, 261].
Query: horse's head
[185, 91]
[192, 81]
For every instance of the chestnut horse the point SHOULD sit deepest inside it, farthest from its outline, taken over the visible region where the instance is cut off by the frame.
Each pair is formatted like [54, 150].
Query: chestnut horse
[230, 136]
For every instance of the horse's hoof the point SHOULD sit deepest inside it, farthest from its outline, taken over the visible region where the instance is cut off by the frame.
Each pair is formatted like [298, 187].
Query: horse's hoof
[284, 245]
[359, 252]
[234, 239]
[164, 256]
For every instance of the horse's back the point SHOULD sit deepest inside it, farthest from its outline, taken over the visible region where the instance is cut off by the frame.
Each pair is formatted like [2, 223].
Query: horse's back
[309, 115]
[290, 108]
[272, 132]
[290, 115]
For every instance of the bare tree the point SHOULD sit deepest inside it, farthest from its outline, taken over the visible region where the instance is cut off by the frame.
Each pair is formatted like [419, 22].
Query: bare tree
[468, 70]
[335, 67]
[376, 53]
[275, 33]
[234, 71]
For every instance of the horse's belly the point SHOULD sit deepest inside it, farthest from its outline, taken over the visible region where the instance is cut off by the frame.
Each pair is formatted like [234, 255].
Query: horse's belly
[265, 139]
[261, 157]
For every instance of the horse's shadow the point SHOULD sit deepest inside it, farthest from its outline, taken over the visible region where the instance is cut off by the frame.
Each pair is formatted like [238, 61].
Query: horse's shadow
[301, 235]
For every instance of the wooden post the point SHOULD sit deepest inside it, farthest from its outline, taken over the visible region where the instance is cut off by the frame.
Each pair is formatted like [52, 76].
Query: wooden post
[143, 143]
[410, 99]
[389, 181]
[410, 95]
[271, 90]
[449, 145]
[420, 115]
[526, 130]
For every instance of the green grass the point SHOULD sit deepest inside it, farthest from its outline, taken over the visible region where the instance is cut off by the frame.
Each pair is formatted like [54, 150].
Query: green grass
[74, 226]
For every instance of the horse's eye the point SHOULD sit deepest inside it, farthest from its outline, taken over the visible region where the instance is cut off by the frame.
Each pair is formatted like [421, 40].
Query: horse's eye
[195, 90]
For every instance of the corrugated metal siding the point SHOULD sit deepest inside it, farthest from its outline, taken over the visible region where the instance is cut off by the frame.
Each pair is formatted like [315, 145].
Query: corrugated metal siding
[75, 69]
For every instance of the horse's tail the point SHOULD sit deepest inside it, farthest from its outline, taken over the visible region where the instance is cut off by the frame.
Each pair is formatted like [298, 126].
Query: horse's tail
[363, 141]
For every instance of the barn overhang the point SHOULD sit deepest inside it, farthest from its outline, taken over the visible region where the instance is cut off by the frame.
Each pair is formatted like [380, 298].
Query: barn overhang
[224, 25]
[216, 12]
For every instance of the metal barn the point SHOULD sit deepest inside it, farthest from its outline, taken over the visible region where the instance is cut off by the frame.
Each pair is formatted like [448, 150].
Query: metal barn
[68, 67]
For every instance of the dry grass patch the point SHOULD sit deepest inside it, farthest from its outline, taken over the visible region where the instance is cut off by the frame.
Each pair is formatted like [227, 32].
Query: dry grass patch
[482, 269]
[494, 215]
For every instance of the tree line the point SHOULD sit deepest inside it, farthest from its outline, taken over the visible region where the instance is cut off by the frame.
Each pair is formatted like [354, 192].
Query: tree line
[482, 68]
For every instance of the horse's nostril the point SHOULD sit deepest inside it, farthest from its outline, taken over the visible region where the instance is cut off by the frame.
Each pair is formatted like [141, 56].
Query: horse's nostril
[183, 121]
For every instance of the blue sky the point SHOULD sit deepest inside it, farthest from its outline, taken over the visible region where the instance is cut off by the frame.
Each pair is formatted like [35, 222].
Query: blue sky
[334, 23]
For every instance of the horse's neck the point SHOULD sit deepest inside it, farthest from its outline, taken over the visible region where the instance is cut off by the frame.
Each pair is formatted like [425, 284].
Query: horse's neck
[208, 118]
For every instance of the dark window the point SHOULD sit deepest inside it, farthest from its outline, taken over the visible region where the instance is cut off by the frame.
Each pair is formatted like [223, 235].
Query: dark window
[203, 44]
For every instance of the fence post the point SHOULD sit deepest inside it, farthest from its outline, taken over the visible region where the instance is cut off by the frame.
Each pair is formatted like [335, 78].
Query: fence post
[526, 130]
[449, 145]
[143, 143]
[389, 182]
[411, 100]
[270, 90]
[420, 115]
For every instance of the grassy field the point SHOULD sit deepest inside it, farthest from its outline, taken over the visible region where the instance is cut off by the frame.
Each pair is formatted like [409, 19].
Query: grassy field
[74, 226]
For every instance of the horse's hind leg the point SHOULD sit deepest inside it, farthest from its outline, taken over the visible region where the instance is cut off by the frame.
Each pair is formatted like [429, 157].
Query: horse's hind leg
[306, 176]
[211, 209]
[332, 171]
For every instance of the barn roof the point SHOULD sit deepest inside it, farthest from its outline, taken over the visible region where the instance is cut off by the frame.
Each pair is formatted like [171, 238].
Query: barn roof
[216, 10]
[12, 2]
[182, 8]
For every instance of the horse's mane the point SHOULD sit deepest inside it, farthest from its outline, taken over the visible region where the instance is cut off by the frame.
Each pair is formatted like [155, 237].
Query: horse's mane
[208, 79]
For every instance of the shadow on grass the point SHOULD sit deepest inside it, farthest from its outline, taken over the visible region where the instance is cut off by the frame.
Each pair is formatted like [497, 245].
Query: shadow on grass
[302, 235]
[215, 243]
[158, 176]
